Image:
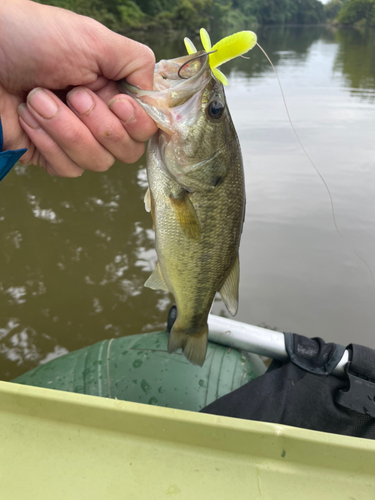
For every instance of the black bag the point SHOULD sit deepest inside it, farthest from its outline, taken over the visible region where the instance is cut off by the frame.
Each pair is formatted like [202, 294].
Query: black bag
[302, 392]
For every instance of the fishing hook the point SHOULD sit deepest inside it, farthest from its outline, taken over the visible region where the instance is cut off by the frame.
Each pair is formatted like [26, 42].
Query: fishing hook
[190, 60]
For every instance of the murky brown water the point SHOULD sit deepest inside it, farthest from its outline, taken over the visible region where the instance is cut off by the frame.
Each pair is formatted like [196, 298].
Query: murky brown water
[75, 253]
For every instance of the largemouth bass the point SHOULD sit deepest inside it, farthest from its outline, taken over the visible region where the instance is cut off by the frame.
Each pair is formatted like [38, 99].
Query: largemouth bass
[196, 195]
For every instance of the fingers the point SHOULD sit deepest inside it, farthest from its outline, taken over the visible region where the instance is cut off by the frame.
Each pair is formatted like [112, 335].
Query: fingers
[120, 57]
[139, 125]
[45, 152]
[126, 145]
[133, 117]
[66, 130]
[89, 135]
[105, 127]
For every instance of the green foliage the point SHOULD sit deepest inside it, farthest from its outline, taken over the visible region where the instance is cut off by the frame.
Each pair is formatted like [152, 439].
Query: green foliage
[131, 14]
[272, 11]
[106, 13]
[358, 11]
[155, 7]
[164, 21]
[332, 8]
[293, 12]
[190, 15]
[309, 12]
[280, 11]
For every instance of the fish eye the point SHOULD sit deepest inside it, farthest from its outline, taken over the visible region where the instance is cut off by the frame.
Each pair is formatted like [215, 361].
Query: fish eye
[215, 109]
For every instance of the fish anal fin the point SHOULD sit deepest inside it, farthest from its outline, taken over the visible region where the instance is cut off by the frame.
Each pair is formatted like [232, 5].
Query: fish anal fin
[186, 216]
[193, 344]
[229, 290]
[156, 280]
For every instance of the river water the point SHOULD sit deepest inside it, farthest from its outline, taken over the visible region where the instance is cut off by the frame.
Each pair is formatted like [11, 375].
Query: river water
[75, 253]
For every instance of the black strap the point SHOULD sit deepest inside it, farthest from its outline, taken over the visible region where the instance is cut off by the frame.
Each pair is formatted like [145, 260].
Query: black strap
[313, 355]
[360, 396]
[362, 361]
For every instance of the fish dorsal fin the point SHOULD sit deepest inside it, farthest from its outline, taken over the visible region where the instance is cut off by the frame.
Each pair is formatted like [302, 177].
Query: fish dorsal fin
[156, 280]
[147, 200]
[229, 291]
[186, 216]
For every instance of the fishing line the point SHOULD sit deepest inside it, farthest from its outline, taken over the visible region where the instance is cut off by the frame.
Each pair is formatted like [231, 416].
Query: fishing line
[315, 168]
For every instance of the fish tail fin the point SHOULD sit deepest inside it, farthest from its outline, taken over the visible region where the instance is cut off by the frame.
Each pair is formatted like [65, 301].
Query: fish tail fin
[193, 344]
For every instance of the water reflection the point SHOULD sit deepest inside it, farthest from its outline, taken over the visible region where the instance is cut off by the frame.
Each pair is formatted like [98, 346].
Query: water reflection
[356, 59]
[75, 253]
[74, 260]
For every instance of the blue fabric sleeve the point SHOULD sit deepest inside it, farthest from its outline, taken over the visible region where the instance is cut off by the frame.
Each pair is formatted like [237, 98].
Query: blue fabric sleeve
[8, 158]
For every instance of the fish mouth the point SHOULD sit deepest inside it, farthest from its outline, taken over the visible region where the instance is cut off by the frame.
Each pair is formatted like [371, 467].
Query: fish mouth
[176, 81]
[172, 74]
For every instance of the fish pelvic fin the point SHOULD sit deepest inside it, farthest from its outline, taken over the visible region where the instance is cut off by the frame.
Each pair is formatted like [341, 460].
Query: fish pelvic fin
[193, 344]
[229, 290]
[156, 280]
[186, 216]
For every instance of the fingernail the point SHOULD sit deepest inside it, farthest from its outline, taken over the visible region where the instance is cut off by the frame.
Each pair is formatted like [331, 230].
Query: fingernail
[123, 109]
[42, 103]
[81, 101]
[27, 117]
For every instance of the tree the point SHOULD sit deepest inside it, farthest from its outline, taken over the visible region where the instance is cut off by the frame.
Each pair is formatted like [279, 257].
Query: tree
[332, 8]
[355, 11]
[190, 15]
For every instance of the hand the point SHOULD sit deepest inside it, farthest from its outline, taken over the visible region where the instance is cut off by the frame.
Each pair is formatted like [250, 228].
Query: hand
[45, 49]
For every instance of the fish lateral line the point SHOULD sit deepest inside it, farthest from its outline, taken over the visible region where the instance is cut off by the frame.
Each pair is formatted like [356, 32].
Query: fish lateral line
[316, 169]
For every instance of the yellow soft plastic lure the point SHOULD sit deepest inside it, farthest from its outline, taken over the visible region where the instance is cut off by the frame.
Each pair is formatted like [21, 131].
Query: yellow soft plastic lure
[228, 48]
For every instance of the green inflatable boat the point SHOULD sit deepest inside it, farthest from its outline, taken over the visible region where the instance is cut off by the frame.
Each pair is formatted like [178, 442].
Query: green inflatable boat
[138, 368]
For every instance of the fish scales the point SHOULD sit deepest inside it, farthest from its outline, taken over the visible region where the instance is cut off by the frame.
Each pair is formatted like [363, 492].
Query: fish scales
[195, 271]
[197, 200]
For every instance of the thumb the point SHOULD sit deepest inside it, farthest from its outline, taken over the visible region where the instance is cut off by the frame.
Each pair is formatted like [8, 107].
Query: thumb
[120, 57]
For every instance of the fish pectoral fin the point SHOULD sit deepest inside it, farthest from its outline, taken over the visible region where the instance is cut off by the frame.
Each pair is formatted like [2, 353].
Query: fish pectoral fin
[147, 200]
[156, 280]
[186, 216]
[229, 290]
[150, 205]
